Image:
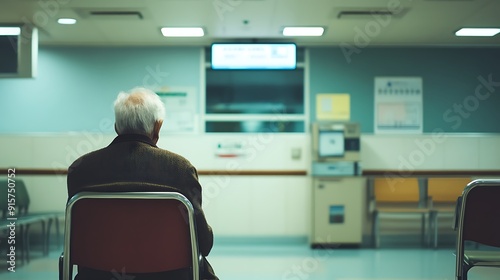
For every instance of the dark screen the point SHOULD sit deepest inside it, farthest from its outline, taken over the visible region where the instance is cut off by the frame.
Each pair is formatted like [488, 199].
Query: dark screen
[8, 54]
[255, 92]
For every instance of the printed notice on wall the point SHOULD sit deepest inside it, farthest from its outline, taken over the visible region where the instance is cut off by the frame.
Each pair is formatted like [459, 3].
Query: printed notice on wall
[180, 106]
[333, 106]
[398, 105]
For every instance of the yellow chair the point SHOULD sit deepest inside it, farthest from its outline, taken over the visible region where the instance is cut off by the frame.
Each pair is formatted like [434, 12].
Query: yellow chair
[444, 192]
[397, 197]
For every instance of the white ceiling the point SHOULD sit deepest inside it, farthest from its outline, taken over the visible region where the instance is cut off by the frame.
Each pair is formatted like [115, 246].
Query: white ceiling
[413, 23]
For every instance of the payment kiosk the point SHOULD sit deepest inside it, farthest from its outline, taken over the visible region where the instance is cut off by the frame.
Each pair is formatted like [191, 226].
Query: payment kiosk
[338, 187]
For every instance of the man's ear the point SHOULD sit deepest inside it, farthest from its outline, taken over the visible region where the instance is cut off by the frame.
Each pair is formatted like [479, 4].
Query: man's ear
[116, 130]
[156, 131]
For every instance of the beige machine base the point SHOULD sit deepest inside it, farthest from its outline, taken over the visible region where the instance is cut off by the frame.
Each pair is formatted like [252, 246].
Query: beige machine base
[338, 204]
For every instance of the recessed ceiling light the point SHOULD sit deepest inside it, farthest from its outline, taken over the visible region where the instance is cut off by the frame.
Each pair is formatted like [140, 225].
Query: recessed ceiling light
[10, 31]
[182, 32]
[477, 32]
[66, 21]
[303, 31]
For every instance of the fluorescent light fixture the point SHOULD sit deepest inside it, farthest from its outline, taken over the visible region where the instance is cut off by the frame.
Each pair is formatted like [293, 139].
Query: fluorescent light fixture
[66, 21]
[10, 31]
[182, 31]
[303, 31]
[477, 32]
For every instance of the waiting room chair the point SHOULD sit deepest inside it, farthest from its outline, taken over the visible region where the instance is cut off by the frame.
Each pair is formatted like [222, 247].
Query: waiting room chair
[444, 192]
[47, 218]
[398, 198]
[130, 232]
[20, 215]
[478, 221]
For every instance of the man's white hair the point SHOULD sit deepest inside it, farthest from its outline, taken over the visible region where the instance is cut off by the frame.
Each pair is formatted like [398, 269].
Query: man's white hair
[137, 111]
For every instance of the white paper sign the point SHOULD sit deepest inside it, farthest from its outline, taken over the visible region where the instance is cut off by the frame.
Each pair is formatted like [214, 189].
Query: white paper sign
[398, 105]
[180, 109]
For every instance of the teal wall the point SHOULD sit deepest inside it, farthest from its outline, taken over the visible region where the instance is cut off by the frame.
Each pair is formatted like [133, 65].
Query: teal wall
[76, 86]
[450, 76]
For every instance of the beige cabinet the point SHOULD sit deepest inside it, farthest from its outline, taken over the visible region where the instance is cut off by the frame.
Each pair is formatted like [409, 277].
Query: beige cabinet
[338, 205]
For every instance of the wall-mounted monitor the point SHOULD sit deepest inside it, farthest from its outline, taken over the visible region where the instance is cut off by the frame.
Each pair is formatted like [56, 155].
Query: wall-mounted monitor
[18, 51]
[257, 56]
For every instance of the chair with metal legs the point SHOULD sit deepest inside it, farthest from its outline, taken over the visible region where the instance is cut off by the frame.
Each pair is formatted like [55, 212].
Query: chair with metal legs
[478, 221]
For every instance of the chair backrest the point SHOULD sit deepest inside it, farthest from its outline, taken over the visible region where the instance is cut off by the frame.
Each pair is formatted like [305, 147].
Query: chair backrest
[446, 190]
[389, 190]
[131, 232]
[478, 217]
[479, 213]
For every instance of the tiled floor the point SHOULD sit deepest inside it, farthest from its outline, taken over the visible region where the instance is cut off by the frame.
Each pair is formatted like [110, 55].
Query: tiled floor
[299, 262]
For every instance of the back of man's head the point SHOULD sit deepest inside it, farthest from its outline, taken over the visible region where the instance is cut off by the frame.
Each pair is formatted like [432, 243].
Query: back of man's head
[137, 111]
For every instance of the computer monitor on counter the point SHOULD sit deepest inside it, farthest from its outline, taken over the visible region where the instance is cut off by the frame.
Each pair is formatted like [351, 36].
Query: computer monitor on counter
[335, 141]
[331, 143]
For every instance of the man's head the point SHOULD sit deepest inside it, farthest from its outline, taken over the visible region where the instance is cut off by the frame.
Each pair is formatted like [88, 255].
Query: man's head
[139, 112]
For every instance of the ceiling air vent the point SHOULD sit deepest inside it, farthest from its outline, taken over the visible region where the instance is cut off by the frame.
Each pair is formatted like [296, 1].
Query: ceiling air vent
[111, 14]
[117, 14]
[347, 13]
[344, 14]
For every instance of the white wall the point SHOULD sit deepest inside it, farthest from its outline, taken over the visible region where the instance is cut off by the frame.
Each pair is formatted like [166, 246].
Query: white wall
[250, 205]
[431, 152]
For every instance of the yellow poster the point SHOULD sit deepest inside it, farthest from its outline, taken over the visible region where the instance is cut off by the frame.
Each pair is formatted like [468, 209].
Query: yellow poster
[333, 106]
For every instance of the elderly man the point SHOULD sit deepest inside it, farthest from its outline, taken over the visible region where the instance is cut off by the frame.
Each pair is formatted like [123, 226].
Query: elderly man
[134, 156]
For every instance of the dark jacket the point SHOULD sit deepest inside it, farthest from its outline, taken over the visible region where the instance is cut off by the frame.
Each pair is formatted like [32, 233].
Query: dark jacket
[134, 158]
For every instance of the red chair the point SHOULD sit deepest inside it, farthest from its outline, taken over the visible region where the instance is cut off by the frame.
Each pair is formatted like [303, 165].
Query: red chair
[130, 232]
[479, 211]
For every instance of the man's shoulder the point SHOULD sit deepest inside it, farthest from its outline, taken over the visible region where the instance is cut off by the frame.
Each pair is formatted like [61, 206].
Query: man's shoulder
[136, 152]
[172, 156]
[85, 157]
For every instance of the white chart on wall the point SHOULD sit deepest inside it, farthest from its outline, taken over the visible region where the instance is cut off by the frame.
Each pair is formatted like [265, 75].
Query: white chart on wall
[398, 105]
